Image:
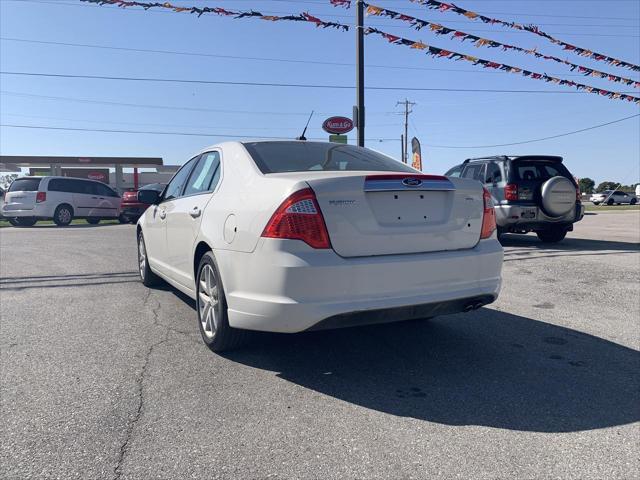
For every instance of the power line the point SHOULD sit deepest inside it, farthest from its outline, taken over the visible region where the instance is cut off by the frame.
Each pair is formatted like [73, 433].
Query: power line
[265, 59]
[540, 139]
[165, 107]
[286, 85]
[172, 125]
[193, 134]
[189, 134]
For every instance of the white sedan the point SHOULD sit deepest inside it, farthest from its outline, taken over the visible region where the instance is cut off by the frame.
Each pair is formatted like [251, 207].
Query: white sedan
[292, 236]
[609, 197]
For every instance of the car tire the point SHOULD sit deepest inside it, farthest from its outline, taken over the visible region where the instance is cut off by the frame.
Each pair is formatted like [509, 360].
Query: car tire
[633, 201]
[123, 219]
[148, 278]
[93, 220]
[553, 235]
[609, 202]
[63, 215]
[211, 309]
[500, 232]
[596, 203]
[23, 221]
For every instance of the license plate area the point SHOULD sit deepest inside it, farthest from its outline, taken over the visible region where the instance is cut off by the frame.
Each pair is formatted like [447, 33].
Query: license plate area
[529, 213]
[402, 208]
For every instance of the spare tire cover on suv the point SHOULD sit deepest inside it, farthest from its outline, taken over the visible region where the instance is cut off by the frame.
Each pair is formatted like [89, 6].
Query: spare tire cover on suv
[558, 196]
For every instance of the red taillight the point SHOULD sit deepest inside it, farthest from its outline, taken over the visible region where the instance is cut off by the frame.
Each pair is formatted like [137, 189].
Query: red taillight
[41, 197]
[578, 194]
[299, 218]
[511, 192]
[488, 217]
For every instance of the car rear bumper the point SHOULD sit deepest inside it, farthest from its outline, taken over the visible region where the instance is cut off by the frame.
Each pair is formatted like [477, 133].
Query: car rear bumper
[133, 210]
[531, 217]
[38, 211]
[286, 286]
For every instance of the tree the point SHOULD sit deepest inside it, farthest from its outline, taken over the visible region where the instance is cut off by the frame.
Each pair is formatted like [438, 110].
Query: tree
[6, 179]
[586, 185]
[606, 186]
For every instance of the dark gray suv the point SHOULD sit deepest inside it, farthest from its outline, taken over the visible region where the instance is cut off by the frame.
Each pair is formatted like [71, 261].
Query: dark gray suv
[531, 193]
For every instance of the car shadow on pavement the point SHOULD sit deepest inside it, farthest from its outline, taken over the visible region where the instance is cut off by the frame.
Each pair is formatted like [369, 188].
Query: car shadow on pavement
[79, 225]
[486, 368]
[569, 244]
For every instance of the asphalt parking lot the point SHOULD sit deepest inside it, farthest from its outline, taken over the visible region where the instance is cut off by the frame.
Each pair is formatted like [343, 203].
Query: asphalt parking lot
[102, 378]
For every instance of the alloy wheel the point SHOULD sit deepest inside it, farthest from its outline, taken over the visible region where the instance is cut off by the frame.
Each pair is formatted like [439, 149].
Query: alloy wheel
[64, 215]
[208, 301]
[142, 256]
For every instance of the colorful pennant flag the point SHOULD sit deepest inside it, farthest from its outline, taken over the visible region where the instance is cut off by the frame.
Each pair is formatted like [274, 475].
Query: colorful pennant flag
[584, 52]
[303, 17]
[417, 45]
[450, 7]
[442, 53]
[438, 29]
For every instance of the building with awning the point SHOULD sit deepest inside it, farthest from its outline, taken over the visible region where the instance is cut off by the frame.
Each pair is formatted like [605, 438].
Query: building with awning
[95, 168]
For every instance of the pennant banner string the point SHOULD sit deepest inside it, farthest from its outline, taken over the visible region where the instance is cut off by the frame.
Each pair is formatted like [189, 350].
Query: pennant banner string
[450, 7]
[302, 17]
[306, 17]
[442, 53]
[583, 52]
[439, 29]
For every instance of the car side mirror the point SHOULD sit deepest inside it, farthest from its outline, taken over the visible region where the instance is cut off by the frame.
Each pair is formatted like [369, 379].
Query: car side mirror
[150, 197]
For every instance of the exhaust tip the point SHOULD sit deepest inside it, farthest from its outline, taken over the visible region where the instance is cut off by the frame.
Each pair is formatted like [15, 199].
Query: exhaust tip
[473, 306]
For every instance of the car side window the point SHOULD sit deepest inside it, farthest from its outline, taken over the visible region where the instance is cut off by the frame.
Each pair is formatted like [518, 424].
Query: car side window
[176, 185]
[494, 174]
[80, 186]
[204, 175]
[104, 191]
[454, 172]
[56, 185]
[474, 171]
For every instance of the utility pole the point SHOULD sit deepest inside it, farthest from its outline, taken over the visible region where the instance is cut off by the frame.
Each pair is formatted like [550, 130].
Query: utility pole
[358, 111]
[407, 110]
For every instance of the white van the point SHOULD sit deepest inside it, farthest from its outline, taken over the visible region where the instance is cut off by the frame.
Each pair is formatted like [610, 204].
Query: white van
[60, 199]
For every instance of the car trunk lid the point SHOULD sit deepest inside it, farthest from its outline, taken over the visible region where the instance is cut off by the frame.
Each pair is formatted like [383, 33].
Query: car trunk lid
[399, 213]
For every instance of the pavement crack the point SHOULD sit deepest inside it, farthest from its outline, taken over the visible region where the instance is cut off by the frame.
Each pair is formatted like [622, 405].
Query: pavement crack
[124, 447]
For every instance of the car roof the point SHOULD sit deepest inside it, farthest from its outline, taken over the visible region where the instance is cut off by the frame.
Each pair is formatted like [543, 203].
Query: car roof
[518, 158]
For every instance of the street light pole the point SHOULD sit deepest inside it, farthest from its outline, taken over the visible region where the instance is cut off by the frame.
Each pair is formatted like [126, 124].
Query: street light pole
[359, 109]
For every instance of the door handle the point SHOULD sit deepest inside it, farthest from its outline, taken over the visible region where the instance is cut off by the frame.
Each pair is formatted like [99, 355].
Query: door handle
[163, 214]
[195, 213]
[94, 198]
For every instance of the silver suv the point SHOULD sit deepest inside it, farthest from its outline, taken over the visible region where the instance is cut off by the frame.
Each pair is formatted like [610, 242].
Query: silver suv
[531, 193]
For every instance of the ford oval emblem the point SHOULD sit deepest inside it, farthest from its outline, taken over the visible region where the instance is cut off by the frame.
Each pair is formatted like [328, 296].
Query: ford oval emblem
[412, 182]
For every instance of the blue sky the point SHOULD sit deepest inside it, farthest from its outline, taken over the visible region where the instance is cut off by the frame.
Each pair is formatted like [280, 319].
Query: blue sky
[439, 118]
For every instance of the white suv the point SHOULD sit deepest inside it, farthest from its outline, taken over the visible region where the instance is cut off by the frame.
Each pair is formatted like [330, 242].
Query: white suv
[60, 199]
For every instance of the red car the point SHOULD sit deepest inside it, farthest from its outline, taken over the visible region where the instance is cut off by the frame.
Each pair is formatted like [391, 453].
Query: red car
[131, 208]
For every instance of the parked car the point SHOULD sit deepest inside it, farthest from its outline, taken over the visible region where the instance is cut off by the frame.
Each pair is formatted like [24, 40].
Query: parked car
[610, 197]
[60, 199]
[531, 193]
[131, 208]
[292, 236]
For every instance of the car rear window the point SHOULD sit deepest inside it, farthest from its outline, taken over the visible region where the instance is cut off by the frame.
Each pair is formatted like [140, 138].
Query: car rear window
[540, 171]
[25, 185]
[280, 157]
